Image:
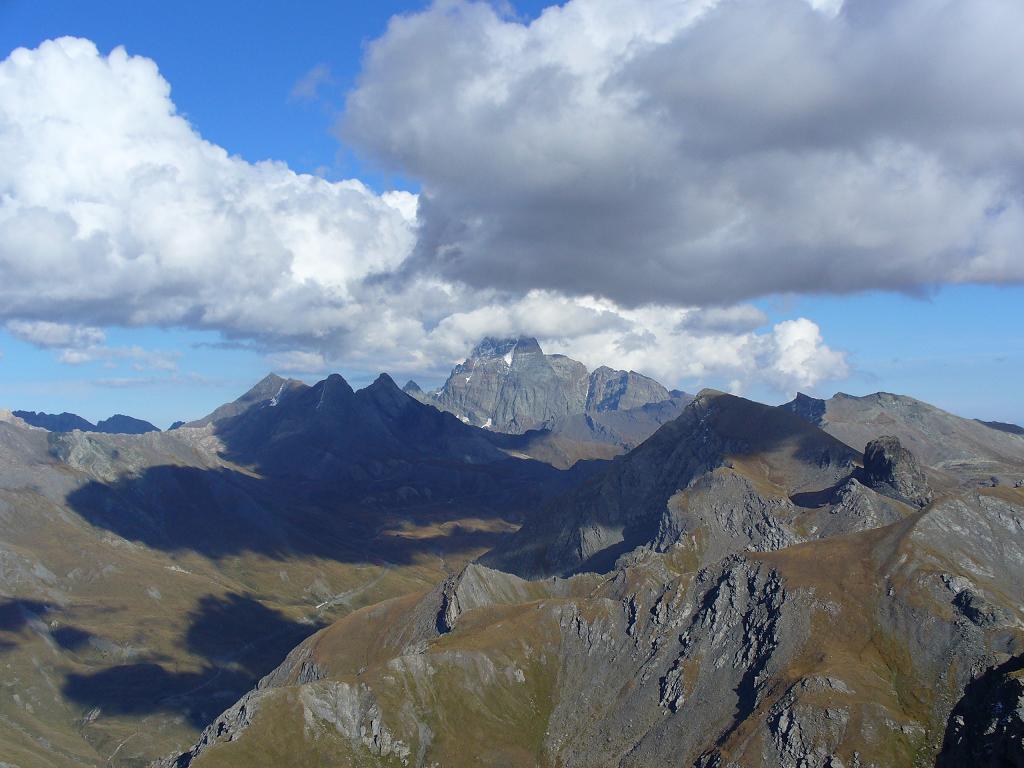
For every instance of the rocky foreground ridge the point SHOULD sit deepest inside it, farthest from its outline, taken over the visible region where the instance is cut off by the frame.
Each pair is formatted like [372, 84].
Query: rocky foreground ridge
[742, 589]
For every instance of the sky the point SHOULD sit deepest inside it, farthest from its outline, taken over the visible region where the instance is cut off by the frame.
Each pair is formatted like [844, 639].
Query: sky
[760, 196]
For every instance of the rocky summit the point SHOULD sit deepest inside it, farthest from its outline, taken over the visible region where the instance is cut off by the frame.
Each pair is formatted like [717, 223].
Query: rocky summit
[320, 575]
[561, 412]
[510, 385]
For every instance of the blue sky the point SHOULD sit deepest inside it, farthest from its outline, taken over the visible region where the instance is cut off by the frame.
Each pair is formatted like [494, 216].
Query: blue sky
[233, 69]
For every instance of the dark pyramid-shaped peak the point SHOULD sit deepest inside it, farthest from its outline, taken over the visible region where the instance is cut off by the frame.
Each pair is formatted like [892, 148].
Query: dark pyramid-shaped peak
[384, 381]
[269, 390]
[384, 394]
[411, 387]
[527, 345]
[265, 389]
[268, 381]
[330, 393]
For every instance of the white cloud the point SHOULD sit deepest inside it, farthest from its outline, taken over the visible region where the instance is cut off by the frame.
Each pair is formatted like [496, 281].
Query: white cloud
[706, 151]
[43, 333]
[138, 358]
[116, 212]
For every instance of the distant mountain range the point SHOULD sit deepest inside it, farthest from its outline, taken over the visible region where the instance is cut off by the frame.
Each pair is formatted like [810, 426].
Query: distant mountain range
[117, 424]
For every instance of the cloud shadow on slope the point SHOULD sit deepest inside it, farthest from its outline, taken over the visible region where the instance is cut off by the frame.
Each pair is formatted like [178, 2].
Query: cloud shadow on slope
[238, 639]
[221, 512]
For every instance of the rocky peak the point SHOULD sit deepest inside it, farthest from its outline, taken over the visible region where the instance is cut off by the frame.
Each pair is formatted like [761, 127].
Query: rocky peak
[267, 391]
[62, 422]
[511, 385]
[611, 390]
[384, 394]
[891, 469]
[331, 392]
[412, 388]
[810, 409]
[491, 348]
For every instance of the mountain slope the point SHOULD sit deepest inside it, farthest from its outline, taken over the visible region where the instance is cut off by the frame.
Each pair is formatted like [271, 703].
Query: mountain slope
[967, 448]
[742, 589]
[266, 390]
[146, 581]
[771, 451]
[754, 634]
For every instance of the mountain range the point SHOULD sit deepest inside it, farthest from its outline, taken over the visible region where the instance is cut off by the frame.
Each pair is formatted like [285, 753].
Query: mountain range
[318, 575]
[118, 424]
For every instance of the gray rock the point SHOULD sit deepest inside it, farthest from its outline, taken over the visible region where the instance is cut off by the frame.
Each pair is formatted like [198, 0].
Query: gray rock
[510, 385]
[269, 391]
[967, 448]
[891, 469]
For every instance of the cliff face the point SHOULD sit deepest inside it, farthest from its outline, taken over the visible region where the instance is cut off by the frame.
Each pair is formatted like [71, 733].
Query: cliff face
[510, 385]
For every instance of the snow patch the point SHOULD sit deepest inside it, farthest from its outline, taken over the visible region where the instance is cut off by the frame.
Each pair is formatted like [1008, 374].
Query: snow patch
[274, 400]
[487, 424]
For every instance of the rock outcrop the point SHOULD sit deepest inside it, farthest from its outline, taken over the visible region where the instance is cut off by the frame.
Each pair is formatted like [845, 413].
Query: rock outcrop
[891, 469]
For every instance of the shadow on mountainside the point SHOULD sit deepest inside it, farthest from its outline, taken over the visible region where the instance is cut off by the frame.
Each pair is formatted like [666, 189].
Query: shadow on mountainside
[15, 616]
[221, 512]
[326, 471]
[238, 639]
[986, 728]
[589, 527]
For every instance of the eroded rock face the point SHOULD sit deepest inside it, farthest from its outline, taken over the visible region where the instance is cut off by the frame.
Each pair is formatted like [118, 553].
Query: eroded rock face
[891, 469]
[511, 385]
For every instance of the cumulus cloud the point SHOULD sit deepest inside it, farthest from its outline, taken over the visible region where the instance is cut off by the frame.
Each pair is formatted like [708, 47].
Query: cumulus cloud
[115, 211]
[791, 355]
[706, 151]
